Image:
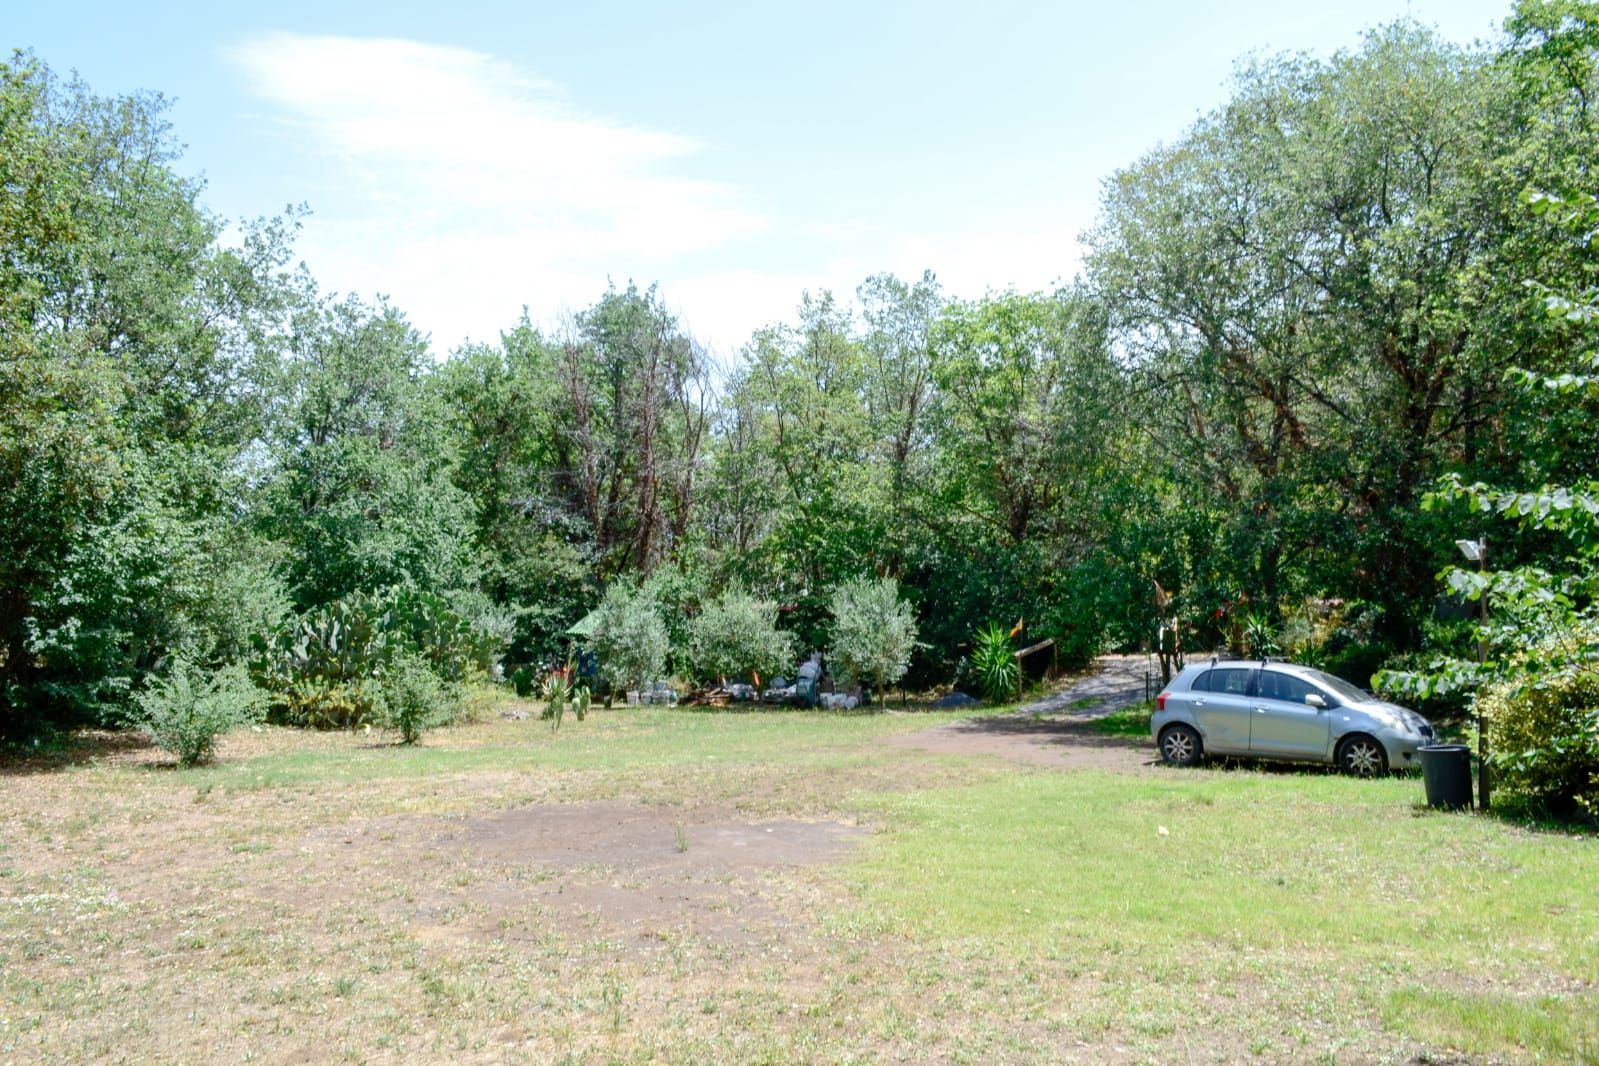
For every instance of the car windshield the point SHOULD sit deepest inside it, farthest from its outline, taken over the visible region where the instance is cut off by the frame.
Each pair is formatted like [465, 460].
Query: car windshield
[1343, 688]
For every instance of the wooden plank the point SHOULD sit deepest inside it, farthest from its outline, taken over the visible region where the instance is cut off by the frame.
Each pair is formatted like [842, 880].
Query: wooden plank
[1040, 646]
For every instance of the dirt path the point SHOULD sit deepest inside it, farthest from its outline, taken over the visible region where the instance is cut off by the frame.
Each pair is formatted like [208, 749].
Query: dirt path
[1056, 730]
[1117, 682]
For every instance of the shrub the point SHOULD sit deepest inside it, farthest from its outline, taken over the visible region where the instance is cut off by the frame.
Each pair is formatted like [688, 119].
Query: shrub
[629, 637]
[323, 704]
[1260, 634]
[562, 689]
[411, 698]
[1543, 742]
[737, 636]
[318, 665]
[874, 632]
[186, 711]
[994, 662]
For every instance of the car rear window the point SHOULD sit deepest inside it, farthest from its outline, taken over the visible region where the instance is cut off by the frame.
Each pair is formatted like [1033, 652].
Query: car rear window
[1228, 680]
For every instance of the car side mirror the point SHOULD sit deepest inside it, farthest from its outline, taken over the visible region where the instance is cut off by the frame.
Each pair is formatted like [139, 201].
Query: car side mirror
[1315, 700]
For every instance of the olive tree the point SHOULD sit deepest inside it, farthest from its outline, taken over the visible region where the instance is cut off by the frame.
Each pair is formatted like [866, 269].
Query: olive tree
[629, 637]
[736, 635]
[874, 632]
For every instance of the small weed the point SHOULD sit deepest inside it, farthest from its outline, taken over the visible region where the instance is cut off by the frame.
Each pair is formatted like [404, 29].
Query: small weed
[682, 837]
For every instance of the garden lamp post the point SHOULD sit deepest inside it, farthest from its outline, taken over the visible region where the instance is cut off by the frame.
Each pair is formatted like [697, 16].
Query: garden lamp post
[1476, 551]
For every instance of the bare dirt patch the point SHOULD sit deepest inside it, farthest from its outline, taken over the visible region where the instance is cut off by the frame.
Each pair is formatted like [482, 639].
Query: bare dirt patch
[633, 877]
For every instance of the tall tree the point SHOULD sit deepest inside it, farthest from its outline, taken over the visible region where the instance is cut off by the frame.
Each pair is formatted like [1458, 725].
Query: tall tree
[135, 354]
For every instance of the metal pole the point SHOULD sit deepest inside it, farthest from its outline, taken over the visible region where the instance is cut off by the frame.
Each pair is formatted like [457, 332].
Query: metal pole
[1484, 797]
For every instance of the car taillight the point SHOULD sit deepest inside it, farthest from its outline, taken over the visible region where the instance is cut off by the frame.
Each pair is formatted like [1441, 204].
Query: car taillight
[1160, 702]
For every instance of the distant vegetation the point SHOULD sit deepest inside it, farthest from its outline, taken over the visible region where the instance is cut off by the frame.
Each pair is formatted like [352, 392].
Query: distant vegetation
[1343, 321]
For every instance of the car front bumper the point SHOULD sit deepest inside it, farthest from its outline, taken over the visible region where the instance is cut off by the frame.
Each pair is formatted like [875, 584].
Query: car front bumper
[1403, 749]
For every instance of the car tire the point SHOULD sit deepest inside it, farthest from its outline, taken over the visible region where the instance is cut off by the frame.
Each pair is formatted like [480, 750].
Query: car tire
[1361, 756]
[1180, 746]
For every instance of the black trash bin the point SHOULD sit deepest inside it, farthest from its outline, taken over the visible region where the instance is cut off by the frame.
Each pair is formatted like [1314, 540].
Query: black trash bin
[1446, 771]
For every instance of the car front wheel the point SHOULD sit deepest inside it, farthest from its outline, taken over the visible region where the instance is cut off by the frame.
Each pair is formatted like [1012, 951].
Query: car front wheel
[1362, 756]
[1179, 745]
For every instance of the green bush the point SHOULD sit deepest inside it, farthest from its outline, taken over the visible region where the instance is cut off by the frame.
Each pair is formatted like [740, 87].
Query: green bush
[736, 636]
[874, 632]
[994, 662]
[412, 699]
[323, 704]
[1543, 743]
[562, 689]
[629, 637]
[317, 665]
[186, 711]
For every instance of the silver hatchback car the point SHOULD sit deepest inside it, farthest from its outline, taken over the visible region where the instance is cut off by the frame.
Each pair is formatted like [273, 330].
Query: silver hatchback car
[1276, 710]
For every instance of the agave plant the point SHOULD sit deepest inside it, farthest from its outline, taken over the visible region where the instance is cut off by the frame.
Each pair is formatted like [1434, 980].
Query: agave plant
[1260, 635]
[994, 662]
[562, 690]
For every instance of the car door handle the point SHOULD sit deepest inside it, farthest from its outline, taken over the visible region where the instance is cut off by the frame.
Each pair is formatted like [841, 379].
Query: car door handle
[1260, 710]
[1199, 703]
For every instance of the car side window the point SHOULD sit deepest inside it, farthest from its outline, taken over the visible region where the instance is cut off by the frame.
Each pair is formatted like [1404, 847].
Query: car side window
[1231, 682]
[1202, 682]
[1285, 687]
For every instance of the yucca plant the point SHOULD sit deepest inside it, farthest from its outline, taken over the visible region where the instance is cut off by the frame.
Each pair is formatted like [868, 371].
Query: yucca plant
[1261, 635]
[563, 690]
[994, 662]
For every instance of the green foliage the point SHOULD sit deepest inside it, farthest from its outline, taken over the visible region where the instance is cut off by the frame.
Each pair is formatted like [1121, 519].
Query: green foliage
[874, 632]
[1261, 634]
[736, 636]
[994, 662]
[1293, 320]
[318, 664]
[411, 699]
[561, 690]
[321, 703]
[629, 638]
[1545, 743]
[129, 392]
[186, 710]
[1533, 677]
[363, 498]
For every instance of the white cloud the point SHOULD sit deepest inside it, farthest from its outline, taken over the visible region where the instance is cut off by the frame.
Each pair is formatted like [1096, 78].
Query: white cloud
[466, 187]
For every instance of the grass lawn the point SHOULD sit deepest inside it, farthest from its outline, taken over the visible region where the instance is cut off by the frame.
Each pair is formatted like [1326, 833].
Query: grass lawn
[678, 885]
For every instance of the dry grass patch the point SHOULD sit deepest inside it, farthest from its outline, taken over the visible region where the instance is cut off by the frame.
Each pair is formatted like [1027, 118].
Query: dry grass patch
[685, 886]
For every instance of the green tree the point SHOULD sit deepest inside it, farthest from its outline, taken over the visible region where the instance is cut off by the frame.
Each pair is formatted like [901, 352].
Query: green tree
[136, 355]
[629, 637]
[503, 404]
[874, 632]
[362, 498]
[635, 410]
[736, 636]
[1317, 289]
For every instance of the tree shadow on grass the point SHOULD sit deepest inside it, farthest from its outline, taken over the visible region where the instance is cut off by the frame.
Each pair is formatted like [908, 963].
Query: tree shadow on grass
[81, 747]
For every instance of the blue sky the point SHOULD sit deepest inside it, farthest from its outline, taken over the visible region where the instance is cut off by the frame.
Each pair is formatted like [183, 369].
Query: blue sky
[469, 158]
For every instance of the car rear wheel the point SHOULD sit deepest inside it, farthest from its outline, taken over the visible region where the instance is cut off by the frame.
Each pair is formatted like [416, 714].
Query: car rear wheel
[1362, 756]
[1179, 746]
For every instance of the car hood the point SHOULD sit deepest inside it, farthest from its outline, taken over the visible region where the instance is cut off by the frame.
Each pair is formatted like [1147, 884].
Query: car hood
[1390, 714]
